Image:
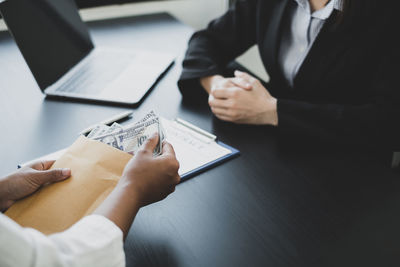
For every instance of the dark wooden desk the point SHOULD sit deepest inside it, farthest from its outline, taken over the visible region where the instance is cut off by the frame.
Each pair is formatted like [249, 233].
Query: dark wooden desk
[277, 205]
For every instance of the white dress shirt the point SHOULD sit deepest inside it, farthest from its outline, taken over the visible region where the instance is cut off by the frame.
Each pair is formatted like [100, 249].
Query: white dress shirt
[93, 241]
[300, 34]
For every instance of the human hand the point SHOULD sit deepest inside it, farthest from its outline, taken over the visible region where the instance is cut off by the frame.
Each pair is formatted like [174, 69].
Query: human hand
[214, 81]
[243, 99]
[27, 180]
[151, 178]
[146, 179]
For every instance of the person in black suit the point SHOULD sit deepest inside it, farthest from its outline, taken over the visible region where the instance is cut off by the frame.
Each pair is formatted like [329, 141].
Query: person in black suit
[332, 67]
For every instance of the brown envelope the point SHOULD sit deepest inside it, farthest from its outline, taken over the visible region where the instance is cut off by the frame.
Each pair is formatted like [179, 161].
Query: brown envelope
[96, 169]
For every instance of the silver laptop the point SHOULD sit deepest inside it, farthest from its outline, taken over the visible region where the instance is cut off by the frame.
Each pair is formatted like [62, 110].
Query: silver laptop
[58, 49]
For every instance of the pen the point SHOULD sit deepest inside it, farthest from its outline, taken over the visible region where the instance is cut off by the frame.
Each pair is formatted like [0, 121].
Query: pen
[108, 121]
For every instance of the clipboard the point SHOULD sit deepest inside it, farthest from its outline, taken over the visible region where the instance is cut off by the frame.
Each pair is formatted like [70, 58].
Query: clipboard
[191, 131]
[234, 153]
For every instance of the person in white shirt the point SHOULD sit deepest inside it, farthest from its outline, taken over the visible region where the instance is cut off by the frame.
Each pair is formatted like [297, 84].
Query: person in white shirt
[97, 239]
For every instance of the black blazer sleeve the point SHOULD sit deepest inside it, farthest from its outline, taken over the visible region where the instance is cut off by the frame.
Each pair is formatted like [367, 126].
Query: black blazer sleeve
[222, 41]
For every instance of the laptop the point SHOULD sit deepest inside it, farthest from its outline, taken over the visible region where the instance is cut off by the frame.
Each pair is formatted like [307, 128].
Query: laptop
[64, 61]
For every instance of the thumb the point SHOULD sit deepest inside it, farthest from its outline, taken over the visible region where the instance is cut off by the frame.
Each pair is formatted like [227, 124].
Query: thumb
[168, 149]
[242, 83]
[50, 176]
[151, 143]
[245, 76]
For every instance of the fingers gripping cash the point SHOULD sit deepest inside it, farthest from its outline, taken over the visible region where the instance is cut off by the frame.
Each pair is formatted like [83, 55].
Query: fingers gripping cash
[130, 138]
[196, 149]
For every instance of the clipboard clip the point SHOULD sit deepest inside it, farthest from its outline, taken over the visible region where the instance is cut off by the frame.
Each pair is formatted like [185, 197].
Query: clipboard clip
[209, 136]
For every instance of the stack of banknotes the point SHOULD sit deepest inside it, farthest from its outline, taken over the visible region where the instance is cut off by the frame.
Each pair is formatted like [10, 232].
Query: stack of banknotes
[130, 138]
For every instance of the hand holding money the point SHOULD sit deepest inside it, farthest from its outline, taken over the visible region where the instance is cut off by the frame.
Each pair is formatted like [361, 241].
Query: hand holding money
[131, 137]
[155, 176]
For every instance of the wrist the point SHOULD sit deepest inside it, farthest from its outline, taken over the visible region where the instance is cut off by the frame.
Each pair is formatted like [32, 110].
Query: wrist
[120, 206]
[271, 113]
[129, 193]
[207, 82]
[274, 111]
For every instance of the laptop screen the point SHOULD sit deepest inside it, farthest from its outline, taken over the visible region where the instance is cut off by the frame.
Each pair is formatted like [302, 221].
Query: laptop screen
[50, 35]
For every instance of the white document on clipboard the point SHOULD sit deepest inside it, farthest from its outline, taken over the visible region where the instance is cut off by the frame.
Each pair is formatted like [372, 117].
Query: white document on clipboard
[195, 149]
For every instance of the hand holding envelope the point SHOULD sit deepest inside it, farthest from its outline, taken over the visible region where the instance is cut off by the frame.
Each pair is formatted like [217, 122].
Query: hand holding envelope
[96, 169]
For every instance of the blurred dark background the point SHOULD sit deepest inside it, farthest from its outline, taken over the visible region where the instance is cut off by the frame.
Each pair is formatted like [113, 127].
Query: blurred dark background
[94, 3]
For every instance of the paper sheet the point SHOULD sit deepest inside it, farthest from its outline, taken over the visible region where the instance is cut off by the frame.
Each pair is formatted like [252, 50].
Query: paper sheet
[192, 149]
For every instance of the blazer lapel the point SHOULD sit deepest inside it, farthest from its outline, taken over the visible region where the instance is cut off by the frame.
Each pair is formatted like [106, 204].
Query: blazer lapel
[326, 49]
[273, 37]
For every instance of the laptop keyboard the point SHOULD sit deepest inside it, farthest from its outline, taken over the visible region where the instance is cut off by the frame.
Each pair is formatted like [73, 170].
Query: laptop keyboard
[100, 68]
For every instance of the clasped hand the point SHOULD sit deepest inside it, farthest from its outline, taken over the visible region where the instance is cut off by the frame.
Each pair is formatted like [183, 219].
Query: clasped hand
[242, 99]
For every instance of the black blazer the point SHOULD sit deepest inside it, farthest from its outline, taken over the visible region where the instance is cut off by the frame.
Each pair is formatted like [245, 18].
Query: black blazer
[347, 89]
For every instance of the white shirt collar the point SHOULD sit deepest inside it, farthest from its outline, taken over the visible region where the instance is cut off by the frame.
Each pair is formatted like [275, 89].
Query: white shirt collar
[323, 13]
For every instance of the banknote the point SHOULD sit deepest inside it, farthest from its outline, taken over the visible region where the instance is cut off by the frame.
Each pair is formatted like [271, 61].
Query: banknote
[130, 138]
[98, 130]
[102, 129]
[109, 140]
